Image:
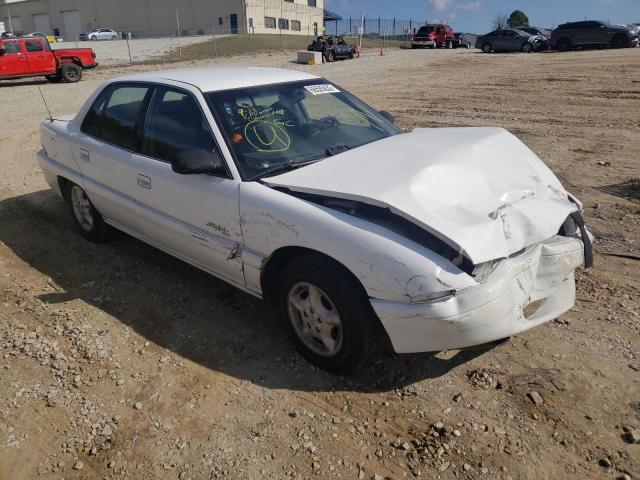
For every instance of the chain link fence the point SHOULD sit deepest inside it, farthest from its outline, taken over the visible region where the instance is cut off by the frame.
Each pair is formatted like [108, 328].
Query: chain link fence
[171, 35]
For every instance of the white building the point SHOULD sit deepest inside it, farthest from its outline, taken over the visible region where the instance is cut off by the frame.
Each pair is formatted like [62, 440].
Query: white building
[148, 18]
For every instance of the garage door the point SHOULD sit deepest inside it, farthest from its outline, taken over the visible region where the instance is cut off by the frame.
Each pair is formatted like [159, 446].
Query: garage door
[71, 22]
[42, 23]
[15, 25]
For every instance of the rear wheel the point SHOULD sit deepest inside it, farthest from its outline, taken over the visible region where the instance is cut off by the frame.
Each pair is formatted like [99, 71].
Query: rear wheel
[564, 45]
[327, 314]
[88, 220]
[487, 48]
[527, 48]
[70, 72]
[619, 41]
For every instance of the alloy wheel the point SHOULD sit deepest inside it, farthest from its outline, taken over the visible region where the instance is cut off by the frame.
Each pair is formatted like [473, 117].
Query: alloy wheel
[315, 319]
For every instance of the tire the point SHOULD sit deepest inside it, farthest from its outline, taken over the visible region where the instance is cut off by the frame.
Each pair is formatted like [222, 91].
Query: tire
[70, 72]
[56, 78]
[564, 45]
[487, 48]
[88, 220]
[330, 56]
[527, 47]
[413, 46]
[315, 294]
[619, 41]
[114, 37]
[351, 55]
[93, 38]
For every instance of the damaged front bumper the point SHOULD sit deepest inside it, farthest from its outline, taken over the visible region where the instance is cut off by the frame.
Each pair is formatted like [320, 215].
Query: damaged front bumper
[522, 292]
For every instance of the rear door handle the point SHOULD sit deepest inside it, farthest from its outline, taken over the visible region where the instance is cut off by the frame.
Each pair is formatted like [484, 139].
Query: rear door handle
[144, 181]
[84, 155]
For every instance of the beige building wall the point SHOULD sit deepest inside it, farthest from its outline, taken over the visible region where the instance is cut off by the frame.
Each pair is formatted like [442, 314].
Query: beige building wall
[148, 18]
[261, 15]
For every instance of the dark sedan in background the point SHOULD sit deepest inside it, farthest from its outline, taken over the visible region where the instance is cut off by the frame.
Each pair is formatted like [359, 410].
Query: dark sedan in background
[511, 40]
[592, 34]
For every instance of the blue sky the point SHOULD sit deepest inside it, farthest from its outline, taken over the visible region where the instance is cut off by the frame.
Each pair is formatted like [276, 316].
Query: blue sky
[476, 15]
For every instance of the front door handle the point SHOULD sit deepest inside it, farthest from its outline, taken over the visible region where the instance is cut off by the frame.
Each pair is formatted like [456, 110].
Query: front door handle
[84, 155]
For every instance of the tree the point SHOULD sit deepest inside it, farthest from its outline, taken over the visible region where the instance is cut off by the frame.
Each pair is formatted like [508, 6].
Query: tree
[500, 22]
[518, 19]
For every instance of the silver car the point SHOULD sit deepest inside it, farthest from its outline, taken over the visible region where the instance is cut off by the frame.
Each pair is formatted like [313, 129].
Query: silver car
[510, 40]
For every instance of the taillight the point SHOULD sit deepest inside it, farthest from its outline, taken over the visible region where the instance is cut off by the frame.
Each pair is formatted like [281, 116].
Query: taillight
[93, 54]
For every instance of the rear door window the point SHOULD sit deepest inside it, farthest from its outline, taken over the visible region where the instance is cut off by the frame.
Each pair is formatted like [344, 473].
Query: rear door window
[34, 46]
[121, 114]
[175, 123]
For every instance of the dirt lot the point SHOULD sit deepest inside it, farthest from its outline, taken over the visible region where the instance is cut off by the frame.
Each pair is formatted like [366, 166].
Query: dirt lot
[118, 361]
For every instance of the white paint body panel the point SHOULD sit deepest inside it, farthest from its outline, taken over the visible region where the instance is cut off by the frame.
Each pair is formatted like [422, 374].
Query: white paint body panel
[478, 189]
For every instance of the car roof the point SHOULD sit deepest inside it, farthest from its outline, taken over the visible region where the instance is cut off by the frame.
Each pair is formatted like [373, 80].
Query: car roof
[222, 78]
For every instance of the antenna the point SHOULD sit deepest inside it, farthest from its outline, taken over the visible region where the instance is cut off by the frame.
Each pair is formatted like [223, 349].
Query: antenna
[45, 104]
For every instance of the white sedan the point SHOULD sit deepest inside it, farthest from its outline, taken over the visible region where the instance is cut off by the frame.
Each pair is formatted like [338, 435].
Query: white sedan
[293, 190]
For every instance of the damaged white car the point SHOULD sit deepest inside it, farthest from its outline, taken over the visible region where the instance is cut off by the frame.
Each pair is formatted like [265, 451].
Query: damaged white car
[288, 187]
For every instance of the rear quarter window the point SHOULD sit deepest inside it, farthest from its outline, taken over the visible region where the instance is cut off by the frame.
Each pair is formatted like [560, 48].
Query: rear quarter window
[11, 47]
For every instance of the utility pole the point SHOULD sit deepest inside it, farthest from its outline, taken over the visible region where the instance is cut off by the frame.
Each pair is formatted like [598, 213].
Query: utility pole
[10, 25]
[179, 44]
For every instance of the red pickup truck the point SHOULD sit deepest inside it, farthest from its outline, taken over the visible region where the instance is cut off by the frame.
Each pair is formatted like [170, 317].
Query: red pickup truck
[33, 57]
[434, 35]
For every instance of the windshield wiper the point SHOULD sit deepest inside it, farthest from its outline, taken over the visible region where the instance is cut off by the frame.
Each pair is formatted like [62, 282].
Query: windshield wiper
[284, 167]
[336, 149]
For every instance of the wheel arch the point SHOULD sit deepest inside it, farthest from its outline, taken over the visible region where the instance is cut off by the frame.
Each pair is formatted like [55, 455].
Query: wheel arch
[63, 185]
[75, 60]
[276, 262]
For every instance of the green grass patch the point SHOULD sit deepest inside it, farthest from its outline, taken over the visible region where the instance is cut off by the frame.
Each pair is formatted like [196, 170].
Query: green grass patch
[239, 44]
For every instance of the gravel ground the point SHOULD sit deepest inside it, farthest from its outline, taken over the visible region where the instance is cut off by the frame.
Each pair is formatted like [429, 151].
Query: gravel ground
[119, 361]
[116, 52]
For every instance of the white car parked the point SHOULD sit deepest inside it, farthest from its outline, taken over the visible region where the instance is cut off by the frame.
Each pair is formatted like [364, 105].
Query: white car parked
[288, 187]
[102, 34]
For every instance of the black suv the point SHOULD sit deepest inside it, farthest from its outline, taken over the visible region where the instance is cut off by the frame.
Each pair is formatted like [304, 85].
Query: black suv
[591, 34]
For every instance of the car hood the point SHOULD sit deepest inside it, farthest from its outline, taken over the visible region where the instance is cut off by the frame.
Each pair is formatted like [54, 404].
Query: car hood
[481, 190]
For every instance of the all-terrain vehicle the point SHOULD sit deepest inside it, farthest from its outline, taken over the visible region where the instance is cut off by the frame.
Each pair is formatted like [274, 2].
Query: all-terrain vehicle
[332, 47]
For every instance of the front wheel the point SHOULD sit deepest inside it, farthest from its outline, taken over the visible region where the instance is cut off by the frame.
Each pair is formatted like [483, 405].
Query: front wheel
[330, 56]
[70, 72]
[486, 48]
[327, 314]
[527, 48]
[88, 220]
[113, 37]
[564, 45]
[619, 41]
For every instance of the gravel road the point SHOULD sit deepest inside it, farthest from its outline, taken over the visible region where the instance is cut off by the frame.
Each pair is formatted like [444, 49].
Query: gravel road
[119, 361]
[116, 52]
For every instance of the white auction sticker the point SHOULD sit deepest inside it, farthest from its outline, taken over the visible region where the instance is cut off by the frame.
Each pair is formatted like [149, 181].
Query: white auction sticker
[321, 89]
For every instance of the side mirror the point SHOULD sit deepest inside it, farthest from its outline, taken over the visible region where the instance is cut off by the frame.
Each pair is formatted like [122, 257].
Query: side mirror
[194, 162]
[388, 116]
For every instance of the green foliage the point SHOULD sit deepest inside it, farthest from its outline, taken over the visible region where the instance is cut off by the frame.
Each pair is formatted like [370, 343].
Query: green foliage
[518, 19]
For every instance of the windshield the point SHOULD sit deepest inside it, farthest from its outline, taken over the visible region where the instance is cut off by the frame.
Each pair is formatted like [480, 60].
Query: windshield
[425, 30]
[271, 128]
